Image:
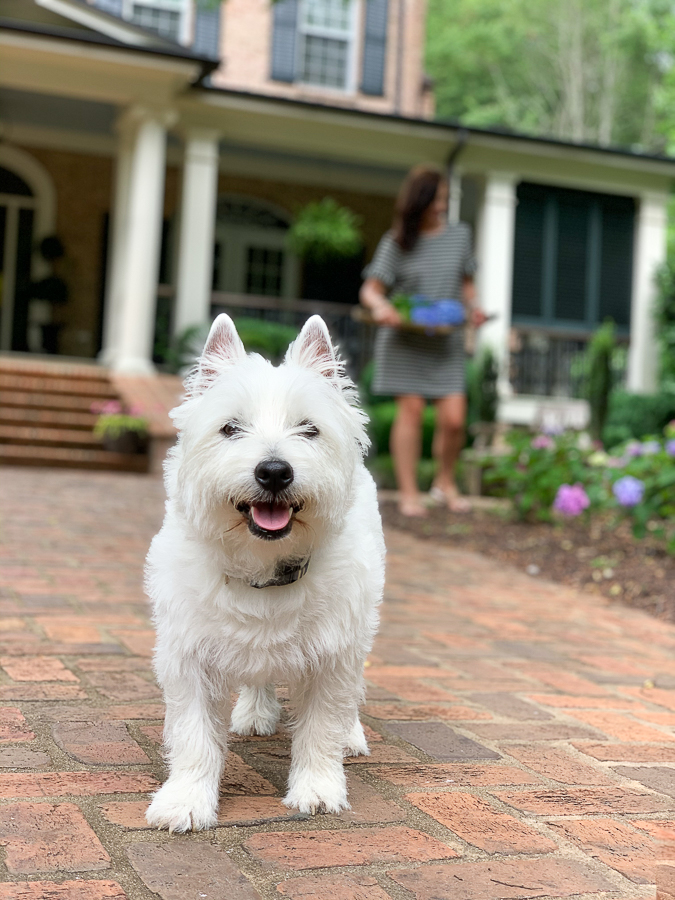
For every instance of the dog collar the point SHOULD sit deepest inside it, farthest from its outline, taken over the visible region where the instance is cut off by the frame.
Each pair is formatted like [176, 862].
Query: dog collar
[286, 573]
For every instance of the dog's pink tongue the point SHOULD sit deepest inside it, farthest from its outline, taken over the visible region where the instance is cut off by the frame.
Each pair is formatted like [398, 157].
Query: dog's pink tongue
[271, 516]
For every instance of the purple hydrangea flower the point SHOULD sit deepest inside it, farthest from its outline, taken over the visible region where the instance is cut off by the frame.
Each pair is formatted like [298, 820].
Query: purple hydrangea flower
[670, 448]
[571, 500]
[628, 490]
[634, 448]
[650, 447]
[542, 442]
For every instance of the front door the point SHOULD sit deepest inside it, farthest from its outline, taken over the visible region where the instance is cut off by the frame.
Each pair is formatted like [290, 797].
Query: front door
[17, 206]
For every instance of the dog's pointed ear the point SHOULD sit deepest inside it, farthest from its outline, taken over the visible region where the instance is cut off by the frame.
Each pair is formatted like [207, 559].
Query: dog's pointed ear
[222, 348]
[314, 350]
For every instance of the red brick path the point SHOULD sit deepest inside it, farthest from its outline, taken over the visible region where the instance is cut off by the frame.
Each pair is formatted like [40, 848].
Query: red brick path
[522, 735]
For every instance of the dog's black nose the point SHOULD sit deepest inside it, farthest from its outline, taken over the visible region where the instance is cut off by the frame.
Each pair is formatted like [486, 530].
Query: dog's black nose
[274, 474]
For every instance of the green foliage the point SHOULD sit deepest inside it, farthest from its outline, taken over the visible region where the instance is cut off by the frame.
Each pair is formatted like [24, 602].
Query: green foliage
[665, 321]
[598, 382]
[324, 229]
[482, 374]
[530, 476]
[636, 415]
[592, 70]
[270, 339]
[113, 425]
[382, 470]
[533, 470]
[381, 420]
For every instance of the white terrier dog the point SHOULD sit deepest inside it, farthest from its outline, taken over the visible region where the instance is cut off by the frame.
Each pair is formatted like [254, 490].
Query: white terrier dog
[269, 567]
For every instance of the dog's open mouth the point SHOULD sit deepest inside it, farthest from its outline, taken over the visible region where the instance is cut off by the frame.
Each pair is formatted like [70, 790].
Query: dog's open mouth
[270, 520]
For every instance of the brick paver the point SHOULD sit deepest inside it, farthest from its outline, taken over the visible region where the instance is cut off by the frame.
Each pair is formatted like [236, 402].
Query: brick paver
[521, 733]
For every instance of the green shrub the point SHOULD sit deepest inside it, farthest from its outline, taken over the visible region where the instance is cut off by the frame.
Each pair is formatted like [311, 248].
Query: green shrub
[382, 418]
[324, 229]
[665, 321]
[270, 339]
[382, 469]
[636, 416]
[482, 373]
[598, 381]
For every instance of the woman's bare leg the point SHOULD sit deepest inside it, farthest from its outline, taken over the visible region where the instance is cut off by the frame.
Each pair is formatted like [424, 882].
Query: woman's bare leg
[406, 446]
[448, 444]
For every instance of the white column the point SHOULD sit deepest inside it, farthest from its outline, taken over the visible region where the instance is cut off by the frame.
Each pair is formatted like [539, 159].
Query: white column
[495, 267]
[649, 254]
[197, 223]
[116, 248]
[455, 204]
[134, 301]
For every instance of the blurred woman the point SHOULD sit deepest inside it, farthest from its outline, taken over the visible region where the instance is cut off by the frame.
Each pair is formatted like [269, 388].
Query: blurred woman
[422, 254]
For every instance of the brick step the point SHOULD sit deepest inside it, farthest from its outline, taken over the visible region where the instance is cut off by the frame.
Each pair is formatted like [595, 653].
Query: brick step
[94, 388]
[48, 437]
[19, 415]
[50, 369]
[71, 457]
[29, 400]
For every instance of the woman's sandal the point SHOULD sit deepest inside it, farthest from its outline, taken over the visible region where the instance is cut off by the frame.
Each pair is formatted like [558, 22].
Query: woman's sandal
[450, 498]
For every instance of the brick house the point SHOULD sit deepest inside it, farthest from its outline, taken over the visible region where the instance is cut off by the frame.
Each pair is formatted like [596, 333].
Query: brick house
[168, 142]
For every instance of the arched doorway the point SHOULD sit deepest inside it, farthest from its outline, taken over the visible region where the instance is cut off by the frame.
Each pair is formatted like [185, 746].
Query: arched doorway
[250, 249]
[27, 210]
[17, 213]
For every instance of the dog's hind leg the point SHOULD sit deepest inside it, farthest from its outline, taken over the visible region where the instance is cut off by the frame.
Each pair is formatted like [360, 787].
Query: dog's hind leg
[195, 743]
[257, 711]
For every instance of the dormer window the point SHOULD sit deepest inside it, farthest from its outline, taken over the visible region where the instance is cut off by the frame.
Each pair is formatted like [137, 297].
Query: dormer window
[316, 42]
[327, 30]
[168, 18]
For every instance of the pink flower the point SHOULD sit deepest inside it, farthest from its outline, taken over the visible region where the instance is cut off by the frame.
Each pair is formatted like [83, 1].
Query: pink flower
[571, 500]
[542, 442]
[111, 407]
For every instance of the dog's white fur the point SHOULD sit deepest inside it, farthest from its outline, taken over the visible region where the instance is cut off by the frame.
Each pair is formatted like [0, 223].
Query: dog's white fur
[217, 633]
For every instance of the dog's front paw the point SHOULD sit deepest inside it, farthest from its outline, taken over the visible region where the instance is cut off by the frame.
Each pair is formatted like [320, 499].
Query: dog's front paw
[183, 805]
[356, 744]
[257, 711]
[313, 793]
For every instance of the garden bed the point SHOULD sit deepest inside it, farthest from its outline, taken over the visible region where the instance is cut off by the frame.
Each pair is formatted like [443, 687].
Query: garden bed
[602, 557]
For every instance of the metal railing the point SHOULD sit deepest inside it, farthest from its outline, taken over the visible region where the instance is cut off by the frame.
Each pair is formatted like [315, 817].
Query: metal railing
[548, 363]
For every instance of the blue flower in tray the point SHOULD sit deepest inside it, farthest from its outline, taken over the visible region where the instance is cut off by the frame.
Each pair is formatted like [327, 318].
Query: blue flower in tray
[434, 313]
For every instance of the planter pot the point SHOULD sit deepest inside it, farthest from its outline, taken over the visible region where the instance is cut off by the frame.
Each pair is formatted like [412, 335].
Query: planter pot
[126, 442]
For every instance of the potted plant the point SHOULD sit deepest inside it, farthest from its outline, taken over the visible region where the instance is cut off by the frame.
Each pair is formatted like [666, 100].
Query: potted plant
[122, 430]
[323, 229]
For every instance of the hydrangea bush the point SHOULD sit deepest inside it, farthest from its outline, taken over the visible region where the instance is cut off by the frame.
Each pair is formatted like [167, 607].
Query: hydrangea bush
[566, 475]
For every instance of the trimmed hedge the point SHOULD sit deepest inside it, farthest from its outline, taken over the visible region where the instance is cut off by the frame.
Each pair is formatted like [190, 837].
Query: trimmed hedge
[636, 416]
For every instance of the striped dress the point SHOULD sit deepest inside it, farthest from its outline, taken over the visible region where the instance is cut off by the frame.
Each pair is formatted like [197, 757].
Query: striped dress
[411, 363]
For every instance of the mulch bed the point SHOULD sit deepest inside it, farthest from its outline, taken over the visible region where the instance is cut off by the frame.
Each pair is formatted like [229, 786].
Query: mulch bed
[594, 557]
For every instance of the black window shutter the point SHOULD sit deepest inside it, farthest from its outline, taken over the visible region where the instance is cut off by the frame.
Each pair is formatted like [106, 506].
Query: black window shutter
[572, 261]
[374, 48]
[207, 32]
[616, 259]
[528, 252]
[284, 40]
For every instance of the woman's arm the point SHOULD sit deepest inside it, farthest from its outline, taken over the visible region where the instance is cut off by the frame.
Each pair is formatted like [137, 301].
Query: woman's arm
[373, 295]
[475, 316]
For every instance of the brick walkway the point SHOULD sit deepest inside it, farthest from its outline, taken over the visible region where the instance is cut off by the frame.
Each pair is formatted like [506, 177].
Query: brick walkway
[521, 735]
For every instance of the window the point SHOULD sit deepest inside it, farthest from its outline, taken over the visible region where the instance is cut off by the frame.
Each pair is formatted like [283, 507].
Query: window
[573, 258]
[326, 37]
[168, 18]
[264, 271]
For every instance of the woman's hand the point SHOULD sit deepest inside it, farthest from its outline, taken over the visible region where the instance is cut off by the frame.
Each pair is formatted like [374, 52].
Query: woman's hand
[385, 314]
[374, 298]
[477, 318]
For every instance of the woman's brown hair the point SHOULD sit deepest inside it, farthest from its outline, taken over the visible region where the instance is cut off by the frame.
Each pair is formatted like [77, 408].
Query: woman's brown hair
[415, 197]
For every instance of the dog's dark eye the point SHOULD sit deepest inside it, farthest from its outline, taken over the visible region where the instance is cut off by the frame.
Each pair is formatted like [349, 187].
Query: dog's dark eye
[230, 429]
[308, 430]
